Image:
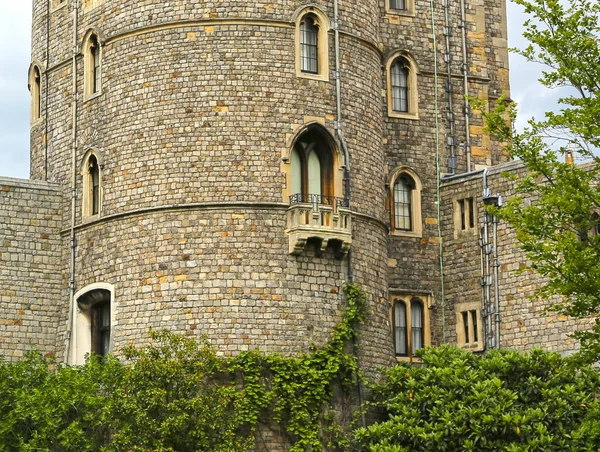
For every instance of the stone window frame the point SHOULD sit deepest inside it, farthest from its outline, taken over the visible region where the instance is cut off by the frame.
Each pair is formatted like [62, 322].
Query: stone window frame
[323, 25]
[82, 329]
[413, 95]
[475, 340]
[416, 209]
[408, 11]
[35, 88]
[407, 297]
[58, 4]
[466, 203]
[87, 213]
[92, 74]
[333, 186]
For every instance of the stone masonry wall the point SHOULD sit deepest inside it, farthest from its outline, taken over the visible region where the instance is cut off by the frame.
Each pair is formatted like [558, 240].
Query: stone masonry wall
[30, 266]
[524, 325]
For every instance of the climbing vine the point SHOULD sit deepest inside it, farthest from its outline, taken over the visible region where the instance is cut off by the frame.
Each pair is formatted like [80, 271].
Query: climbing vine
[178, 395]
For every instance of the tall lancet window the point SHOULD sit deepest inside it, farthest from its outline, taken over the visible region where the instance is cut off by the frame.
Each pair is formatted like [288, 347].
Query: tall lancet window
[400, 86]
[309, 43]
[35, 86]
[403, 203]
[92, 186]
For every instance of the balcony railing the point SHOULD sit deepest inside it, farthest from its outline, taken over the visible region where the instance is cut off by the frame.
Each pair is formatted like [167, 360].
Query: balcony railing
[324, 218]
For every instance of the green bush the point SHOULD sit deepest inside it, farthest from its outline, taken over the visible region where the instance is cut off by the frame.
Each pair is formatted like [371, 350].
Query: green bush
[500, 401]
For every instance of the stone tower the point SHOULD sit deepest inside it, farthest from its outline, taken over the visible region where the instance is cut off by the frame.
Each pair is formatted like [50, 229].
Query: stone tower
[227, 166]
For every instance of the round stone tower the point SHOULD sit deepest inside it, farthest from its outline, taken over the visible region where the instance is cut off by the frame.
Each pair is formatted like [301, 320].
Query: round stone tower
[219, 177]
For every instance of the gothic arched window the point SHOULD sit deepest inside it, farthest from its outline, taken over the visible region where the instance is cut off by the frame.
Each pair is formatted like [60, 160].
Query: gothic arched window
[92, 53]
[35, 87]
[92, 186]
[312, 47]
[312, 169]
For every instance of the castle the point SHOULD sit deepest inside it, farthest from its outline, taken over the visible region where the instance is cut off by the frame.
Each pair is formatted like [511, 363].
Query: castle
[223, 167]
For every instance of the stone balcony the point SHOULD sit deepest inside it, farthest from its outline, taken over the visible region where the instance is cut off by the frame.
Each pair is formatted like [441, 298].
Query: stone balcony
[323, 219]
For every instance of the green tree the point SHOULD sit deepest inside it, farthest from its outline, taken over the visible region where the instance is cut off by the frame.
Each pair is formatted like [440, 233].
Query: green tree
[559, 229]
[501, 401]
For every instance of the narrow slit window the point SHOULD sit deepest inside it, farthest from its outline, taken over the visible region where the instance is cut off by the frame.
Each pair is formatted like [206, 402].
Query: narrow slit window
[463, 214]
[465, 316]
[474, 323]
[94, 175]
[101, 328]
[471, 213]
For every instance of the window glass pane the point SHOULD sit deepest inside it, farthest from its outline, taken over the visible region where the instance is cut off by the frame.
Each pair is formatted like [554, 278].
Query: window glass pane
[416, 317]
[296, 173]
[314, 174]
[465, 319]
[471, 213]
[402, 205]
[400, 337]
[94, 175]
[95, 49]
[474, 323]
[397, 4]
[309, 48]
[399, 87]
[463, 218]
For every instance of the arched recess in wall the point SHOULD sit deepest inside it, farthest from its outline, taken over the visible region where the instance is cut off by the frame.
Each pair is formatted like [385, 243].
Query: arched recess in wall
[312, 167]
[404, 195]
[91, 183]
[312, 43]
[35, 88]
[402, 87]
[93, 322]
[91, 48]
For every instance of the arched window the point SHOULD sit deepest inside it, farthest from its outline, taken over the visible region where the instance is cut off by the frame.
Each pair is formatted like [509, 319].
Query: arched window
[312, 168]
[92, 186]
[312, 60]
[35, 87]
[92, 323]
[409, 325]
[405, 205]
[403, 202]
[402, 87]
[309, 45]
[92, 65]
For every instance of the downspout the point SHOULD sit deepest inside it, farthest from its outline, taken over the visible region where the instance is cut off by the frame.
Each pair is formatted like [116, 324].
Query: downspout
[340, 136]
[486, 283]
[73, 187]
[46, 84]
[465, 72]
[438, 174]
[496, 283]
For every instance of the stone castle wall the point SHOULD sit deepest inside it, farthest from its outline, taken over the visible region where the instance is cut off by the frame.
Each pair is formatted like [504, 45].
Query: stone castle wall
[524, 324]
[30, 277]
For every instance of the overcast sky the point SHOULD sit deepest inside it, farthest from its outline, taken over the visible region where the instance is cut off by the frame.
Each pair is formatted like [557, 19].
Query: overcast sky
[15, 26]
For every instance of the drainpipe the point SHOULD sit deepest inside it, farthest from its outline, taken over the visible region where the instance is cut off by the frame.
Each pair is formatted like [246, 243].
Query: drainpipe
[340, 136]
[486, 283]
[465, 71]
[496, 280]
[46, 85]
[73, 186]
